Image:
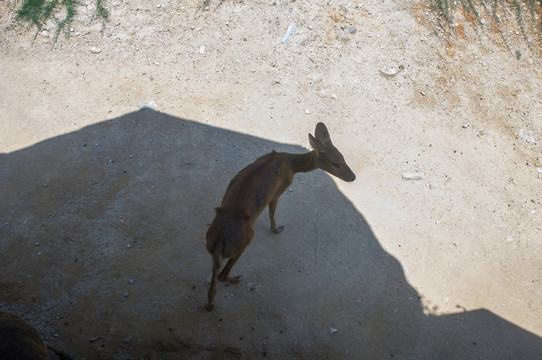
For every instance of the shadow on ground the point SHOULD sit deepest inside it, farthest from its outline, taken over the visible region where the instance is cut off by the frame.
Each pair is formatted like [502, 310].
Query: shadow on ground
[102, 249]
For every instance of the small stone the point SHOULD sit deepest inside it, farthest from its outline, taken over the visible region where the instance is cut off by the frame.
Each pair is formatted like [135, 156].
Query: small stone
[388, 71]
[129, 246]
[202, 49]
[95, 50]
[333, 330]
[45, 33]
[131, 281]
[526, 135]
[307, 111]
[148, 104]
[465, 126]
[352, 29]
[416, 175]
[125, 294]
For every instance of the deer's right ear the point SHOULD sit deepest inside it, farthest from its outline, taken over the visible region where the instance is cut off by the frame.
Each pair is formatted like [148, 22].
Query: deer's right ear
[316, 144]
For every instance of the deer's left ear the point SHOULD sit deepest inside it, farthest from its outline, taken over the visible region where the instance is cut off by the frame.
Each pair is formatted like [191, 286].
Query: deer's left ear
[321, 133]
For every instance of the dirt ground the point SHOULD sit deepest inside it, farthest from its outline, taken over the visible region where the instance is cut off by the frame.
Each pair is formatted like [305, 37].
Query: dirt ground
[116, 146]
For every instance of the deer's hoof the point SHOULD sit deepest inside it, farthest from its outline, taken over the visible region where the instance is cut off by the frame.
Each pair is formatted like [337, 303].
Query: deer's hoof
[234, 280]
[277, 230]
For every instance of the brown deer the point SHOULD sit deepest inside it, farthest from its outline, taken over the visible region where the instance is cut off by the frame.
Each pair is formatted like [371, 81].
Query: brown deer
[21, 341]
[258, 185]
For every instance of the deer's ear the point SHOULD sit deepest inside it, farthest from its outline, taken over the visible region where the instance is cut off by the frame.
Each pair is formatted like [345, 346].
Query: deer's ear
[321, 133]
[317, 144]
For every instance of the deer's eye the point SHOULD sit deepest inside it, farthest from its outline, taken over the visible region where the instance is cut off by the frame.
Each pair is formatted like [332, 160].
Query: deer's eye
[335, 165]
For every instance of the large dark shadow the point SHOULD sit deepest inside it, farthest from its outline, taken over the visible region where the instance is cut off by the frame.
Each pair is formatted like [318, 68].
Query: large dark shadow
[102, 248]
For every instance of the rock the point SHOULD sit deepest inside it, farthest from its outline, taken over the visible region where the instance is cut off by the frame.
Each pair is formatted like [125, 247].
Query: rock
[95, 50]
[526, 135]
[151, 104]
[388, 71]
[416, 175]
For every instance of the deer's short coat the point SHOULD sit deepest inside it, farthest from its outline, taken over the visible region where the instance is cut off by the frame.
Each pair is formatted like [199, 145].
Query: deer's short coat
[257, 186]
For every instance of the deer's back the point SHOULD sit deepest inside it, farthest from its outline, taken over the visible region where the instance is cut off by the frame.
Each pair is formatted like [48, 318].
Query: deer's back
[255, 186]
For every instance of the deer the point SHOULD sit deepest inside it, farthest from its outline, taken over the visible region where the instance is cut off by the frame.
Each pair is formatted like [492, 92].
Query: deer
[257, 186]
[21, 341]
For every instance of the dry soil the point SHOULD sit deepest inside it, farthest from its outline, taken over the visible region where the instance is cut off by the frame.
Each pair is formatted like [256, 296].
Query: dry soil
[117, 143]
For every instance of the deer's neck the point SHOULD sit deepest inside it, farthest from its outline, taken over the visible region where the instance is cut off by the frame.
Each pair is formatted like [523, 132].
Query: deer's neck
[304, 162]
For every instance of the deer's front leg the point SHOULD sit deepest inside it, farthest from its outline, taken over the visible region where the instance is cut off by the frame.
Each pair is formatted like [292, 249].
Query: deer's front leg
[272, 208]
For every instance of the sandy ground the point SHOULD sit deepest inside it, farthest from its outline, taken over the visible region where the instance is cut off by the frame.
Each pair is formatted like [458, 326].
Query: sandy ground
[117, 145]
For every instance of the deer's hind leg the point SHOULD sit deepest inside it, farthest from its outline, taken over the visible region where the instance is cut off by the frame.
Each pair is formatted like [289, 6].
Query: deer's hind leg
[225, 273]
[217, 262]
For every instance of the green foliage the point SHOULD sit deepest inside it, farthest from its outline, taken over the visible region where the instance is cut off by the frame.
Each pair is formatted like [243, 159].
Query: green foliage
[38, 12]
[102, 13]
[444, 9]
[498, 12]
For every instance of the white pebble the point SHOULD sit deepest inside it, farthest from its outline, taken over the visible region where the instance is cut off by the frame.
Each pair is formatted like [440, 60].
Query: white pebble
[417, 175]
